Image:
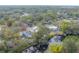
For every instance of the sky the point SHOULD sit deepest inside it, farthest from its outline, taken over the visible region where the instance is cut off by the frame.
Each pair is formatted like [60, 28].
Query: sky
[39, 2]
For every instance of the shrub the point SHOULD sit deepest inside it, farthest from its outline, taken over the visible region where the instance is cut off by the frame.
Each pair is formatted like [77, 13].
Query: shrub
[51, 35]
[60, 33]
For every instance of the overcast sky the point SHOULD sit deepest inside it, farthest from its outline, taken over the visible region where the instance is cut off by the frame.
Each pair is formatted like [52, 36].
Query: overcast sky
[39, 2]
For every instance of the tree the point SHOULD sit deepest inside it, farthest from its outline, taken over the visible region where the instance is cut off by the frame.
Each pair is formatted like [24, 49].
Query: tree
[55, 47]
[69, 44]
[41, 36]
[64, 25]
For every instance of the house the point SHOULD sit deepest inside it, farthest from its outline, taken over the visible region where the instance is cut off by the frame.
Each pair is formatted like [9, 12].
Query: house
[52, 28]
[52, 40]
[25, 34]
[24, 30]
[56, 39]
[25, 14]
[33, 29]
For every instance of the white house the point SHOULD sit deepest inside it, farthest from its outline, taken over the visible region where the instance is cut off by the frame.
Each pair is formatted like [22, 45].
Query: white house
[25, 14]
[52, 27]
[33, 29]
